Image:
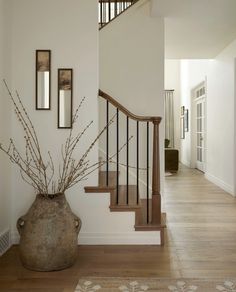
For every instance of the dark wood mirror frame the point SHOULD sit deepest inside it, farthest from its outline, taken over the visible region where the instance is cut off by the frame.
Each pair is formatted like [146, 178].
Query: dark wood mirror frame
[43, 65]
[65, 98]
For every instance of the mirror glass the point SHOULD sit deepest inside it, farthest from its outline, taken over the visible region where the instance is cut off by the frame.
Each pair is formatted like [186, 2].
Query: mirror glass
[43, 79]
[43, 94]
[65, 98]
[65, 108]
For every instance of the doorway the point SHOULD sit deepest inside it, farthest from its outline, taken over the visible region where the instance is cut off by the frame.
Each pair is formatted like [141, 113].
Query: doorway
[199, 127]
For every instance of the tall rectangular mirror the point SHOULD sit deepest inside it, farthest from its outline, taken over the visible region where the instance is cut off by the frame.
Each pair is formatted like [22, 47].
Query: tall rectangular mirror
[43, 79]
[65, 93]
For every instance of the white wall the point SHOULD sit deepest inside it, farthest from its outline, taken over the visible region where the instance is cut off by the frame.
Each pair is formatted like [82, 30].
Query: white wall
[5, 121]
[220, 76]
[69, 29]
[234, 126]
[220, 119]
[132, 66]
[172, 81]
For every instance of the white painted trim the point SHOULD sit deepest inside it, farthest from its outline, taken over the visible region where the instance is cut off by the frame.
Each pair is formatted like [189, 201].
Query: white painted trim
[187, 163]
[220, 183]
[15, 238]
[193, 141]
[137, 238]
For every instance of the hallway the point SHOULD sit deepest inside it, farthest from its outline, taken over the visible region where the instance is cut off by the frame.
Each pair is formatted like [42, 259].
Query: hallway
[201, 220]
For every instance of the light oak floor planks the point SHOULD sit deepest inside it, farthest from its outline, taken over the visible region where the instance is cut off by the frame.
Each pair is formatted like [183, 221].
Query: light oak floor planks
[200, 242]
[201, 225]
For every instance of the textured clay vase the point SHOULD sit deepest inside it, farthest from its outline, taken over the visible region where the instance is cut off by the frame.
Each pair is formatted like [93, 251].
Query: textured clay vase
[48, 234]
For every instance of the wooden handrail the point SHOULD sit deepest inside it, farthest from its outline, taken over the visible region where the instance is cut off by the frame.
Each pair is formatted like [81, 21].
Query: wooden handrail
[127, 112]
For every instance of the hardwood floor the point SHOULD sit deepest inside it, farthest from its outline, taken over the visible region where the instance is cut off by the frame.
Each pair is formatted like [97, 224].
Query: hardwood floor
[201, 225]
[200, 242]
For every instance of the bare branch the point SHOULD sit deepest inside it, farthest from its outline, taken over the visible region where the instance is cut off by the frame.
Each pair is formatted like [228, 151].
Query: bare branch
[39, 171]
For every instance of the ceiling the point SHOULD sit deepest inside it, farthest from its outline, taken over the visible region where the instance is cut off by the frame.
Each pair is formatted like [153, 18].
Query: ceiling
[196, 29]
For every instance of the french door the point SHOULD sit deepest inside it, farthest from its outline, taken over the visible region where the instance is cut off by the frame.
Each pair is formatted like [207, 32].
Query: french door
[200, 133]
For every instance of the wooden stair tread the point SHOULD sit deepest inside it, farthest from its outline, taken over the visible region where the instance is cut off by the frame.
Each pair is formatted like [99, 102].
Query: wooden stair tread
[122, 204]
[98, 189]
[141, 218]
[102, 186]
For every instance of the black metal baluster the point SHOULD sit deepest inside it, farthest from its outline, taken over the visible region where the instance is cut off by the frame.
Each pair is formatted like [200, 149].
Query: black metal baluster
[147, 172]
[101, 10]
[137, 174]
[109, 10]
[117, 156]
[115, 9]
[107, 146]
[127, 161]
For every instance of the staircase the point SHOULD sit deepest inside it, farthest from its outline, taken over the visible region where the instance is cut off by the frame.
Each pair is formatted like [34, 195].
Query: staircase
[125, 194]
[126, 197]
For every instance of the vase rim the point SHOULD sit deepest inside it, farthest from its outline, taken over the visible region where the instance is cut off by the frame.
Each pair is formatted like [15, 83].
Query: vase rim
[55, 195]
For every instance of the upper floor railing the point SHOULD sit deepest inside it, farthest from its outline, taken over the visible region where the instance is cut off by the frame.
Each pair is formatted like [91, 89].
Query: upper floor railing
[110, 9]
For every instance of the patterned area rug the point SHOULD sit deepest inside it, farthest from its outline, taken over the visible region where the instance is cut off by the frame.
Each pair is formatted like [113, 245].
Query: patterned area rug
[155, 284]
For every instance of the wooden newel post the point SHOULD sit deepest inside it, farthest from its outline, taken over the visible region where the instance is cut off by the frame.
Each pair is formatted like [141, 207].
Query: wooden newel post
[156, 197]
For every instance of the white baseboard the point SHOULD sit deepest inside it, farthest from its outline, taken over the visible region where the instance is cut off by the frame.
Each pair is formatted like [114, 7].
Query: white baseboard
[135, 238]
[220, 183]
[186, 163]
[15, 238]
